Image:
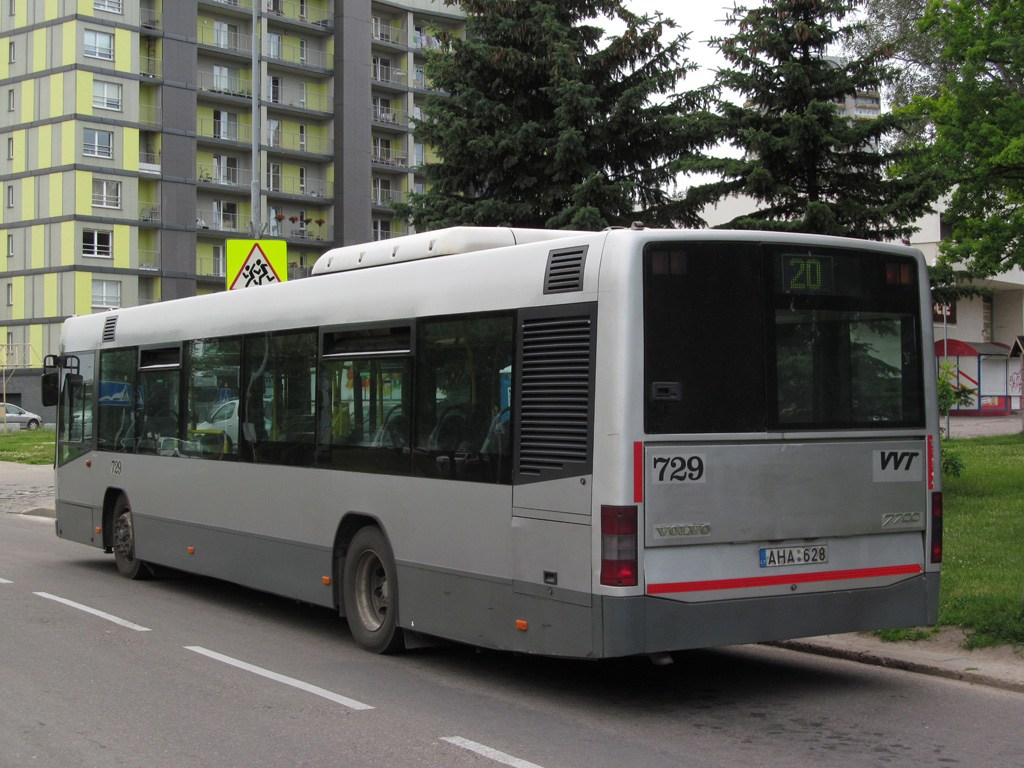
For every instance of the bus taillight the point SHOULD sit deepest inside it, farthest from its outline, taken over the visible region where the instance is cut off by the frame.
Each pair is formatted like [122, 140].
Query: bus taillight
[936, 527]
[619, 546]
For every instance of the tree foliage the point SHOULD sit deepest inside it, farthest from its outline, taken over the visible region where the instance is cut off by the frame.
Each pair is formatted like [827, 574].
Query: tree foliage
[979, 142]
[544, 122]
[809, 168]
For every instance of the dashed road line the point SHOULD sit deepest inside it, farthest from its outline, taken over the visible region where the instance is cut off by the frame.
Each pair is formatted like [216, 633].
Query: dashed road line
[489, 752]
[316, 690]
[94, 612]
[5, 581]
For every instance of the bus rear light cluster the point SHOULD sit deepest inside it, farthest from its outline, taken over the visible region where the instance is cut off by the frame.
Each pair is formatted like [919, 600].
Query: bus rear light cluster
[936, 543]
[619, 546]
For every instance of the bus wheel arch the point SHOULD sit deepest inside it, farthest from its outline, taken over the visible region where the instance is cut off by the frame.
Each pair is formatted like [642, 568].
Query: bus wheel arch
[369, 590]
[122, 538]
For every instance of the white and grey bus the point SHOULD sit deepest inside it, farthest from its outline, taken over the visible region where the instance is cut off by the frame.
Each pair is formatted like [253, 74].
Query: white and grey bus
[564, 443]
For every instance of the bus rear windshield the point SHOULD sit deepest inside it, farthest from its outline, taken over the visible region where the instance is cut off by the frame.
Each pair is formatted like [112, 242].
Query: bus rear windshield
[748, 337]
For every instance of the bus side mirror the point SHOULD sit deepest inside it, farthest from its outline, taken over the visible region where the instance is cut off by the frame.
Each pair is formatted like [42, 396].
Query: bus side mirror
[51, 388]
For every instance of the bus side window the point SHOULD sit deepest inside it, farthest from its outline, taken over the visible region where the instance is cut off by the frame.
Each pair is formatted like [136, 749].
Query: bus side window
[365, 423]
[279, 398]
[157, 401]
[213, 405]
[463, 398]
[117, 400]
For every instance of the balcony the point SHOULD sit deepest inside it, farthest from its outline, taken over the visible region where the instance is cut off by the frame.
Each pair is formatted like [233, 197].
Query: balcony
[150, 114]
[299, 230]
[149, 162]
[302, 56]
[222, 175]
[211, 267]
[302, 12]
[227, 130]
[235, 5]
[387, 33]
[386, 196]
[149, 211]
[422, 41]
[388, 76]
[150, 19]
[149, 260]
[150, 66]
[299, 97]
[230, 85]
[298, 142]
[391, 158]
[298, 185]
[397, 118]
[226, 41]
[220, 220]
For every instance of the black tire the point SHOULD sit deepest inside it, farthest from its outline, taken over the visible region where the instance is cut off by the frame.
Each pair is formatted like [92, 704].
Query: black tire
[124, 542]
[370, 592]
[33, 424]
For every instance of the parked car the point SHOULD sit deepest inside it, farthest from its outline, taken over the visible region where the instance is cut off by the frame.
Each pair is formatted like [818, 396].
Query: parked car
[18, 415]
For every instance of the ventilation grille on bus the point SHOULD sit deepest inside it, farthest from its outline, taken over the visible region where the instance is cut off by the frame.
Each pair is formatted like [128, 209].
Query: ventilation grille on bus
[564, 272]
[555, 395]
[108, 328]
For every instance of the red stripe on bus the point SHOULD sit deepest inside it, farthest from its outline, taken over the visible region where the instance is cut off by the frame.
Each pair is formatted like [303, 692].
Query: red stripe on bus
[638, 473]
[793, 578]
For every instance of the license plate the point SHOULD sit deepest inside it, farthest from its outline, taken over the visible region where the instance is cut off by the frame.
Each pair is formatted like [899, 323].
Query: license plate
[772, 557]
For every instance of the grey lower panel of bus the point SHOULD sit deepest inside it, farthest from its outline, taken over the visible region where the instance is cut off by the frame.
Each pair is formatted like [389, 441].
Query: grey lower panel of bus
[286, 568]
[483, 612]
[77, 522]
[639, 625]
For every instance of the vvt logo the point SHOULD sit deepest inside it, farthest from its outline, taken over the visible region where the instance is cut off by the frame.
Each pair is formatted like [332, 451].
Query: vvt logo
[897, 466]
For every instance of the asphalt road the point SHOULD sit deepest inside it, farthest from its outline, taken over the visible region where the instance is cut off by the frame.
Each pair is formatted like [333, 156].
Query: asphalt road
[184, 671]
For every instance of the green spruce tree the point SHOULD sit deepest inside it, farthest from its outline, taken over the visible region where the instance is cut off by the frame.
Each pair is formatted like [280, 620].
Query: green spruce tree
[807, 168]
[544, 122]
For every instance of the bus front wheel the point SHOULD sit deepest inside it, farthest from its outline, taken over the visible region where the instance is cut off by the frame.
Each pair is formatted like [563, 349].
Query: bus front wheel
[124, 542]
[370, 592]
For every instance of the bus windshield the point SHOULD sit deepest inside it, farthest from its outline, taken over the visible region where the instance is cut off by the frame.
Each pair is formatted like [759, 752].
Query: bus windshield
[779, 338]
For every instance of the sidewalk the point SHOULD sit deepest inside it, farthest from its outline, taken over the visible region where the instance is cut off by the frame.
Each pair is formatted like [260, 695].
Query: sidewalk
[28, 490]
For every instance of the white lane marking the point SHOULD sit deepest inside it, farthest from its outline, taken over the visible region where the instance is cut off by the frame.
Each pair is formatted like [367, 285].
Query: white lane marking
[488, 752]
[316, 690]
[94, 612]
[5, 581]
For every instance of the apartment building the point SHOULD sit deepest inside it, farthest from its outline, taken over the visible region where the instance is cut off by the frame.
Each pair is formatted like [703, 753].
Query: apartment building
[140, 138]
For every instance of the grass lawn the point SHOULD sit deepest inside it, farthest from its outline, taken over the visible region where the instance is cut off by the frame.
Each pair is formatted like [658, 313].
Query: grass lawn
[27, 446]
[983, 541]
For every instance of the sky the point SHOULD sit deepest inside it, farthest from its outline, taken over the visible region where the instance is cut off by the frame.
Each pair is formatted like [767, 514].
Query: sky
[702, 19]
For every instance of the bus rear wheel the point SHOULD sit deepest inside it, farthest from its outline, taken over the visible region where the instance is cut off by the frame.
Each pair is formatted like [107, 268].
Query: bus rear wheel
[124, 542]
[370, 592]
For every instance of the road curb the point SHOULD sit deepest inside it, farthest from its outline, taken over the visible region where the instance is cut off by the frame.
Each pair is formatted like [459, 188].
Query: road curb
[903, 661]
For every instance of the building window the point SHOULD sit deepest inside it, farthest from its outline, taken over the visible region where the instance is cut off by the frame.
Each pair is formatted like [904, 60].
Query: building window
[302, 180]
[106, 193]
[274, 45]
[10, 147]
[225, 125]
[10, 100]
[10, 246]
[219, 264]
[97, 243]
[302, 138]
[10, 195]
[106, 294]
[106, 95]
[11, 51]
[98, 143]
[10, 294]
[99, 45]
[381, 229]
[274, 177]
[302, 51]
[110, 6]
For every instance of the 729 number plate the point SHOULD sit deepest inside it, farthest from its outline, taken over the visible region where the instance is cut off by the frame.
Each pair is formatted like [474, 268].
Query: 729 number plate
[777, 556]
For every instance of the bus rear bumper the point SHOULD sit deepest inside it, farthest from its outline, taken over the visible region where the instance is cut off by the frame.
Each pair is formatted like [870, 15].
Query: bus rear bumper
[645, 624]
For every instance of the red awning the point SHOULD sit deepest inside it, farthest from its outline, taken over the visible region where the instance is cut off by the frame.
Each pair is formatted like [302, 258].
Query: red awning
[971, 348]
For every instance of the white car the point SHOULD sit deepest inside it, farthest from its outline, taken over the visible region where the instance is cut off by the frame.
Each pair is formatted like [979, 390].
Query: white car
[18, 415]
[224, 419]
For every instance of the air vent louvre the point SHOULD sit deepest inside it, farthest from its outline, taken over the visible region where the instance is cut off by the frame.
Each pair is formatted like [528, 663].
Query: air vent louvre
[555, 394]
[109, 325]
[564, 273]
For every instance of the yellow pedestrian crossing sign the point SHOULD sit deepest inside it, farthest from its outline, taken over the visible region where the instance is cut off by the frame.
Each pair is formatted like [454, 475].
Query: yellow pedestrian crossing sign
[256, 262]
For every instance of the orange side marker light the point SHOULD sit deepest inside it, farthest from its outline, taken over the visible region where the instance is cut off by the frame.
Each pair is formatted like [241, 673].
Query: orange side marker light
[521, 625]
